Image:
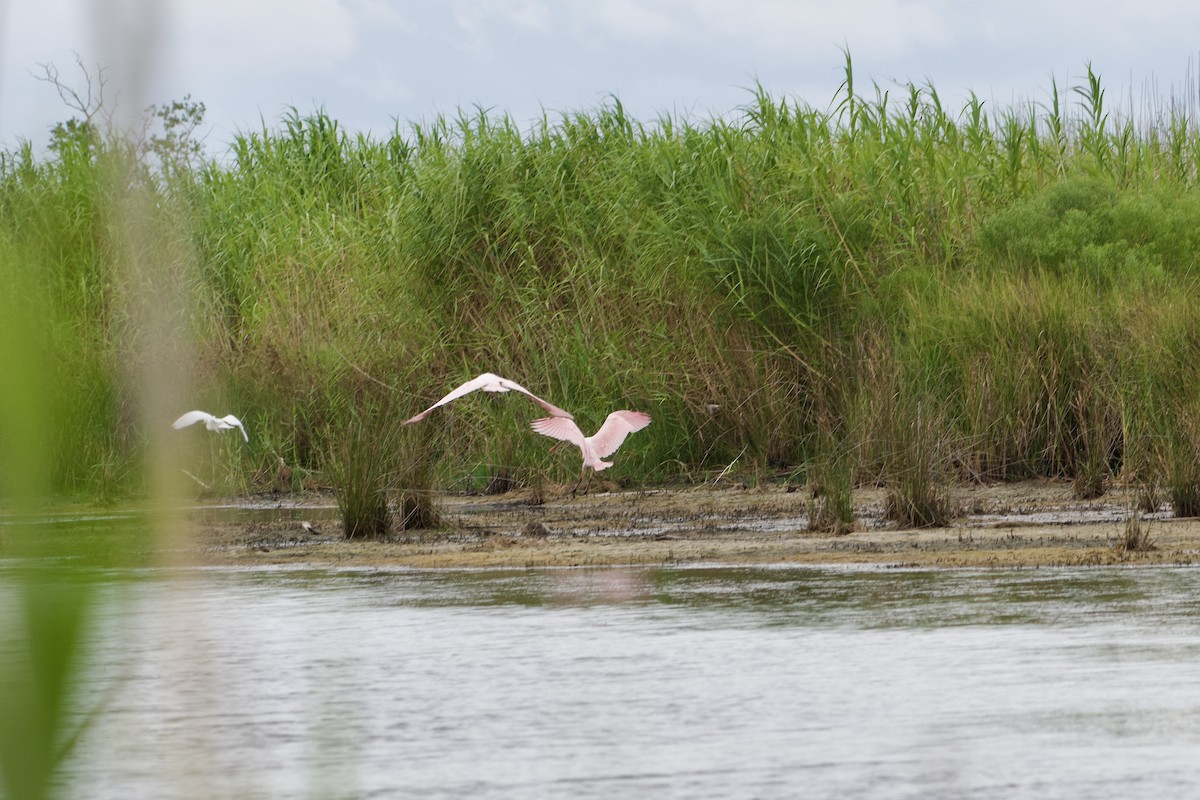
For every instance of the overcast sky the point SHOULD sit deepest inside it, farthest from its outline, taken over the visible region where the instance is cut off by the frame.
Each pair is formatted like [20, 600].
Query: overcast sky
[370, 63]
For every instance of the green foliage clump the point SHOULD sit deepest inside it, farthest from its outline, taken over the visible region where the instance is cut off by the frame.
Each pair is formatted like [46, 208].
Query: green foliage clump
[1090, 229]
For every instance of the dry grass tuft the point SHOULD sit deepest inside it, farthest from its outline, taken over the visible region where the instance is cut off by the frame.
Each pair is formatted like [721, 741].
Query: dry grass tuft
[1135, 537]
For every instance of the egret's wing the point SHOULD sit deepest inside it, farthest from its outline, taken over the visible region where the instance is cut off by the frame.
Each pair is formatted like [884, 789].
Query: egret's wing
[559, 428]
[614, 430]
[553, 409]
[232, 420]
[468, 387]
[191, 418]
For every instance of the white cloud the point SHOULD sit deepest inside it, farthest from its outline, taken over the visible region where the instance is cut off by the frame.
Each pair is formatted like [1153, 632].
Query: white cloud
[528, 15]
[484, 27]
[249, 38]
[761, 26]
[378, 15]
[637, 20]
[381, 85]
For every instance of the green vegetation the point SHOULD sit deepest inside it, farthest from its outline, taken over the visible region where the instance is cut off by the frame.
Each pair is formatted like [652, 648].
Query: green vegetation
[888, 289]
[372, 461]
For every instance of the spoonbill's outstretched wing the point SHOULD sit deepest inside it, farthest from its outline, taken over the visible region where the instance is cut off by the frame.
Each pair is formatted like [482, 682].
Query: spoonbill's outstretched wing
[488, 382]
[614, 430]
[559, 428]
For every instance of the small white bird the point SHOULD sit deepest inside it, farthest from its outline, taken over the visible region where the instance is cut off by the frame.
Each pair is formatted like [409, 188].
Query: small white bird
[489, 383]
[212, 423]
[597, 446]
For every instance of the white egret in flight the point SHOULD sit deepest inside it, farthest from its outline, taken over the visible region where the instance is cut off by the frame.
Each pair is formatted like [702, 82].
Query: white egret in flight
[212, 423]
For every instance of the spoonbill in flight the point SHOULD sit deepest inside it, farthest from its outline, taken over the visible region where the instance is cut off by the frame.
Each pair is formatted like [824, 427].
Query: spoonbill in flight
[490, 383]
[601, 444]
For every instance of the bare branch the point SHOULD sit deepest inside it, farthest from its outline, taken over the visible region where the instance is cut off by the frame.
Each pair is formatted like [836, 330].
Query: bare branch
[87, 100]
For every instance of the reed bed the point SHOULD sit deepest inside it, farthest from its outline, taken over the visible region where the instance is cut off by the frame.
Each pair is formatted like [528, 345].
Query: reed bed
[818, 273]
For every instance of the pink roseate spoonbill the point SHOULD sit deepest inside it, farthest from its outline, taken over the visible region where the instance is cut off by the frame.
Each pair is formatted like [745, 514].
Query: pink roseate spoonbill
[211, 422]
[490, 383]
[601, 444]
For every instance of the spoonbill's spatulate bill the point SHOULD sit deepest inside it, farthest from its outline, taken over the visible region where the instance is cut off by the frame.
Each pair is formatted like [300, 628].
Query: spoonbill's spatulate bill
[488, 382]
[596, 447]
[211, 422]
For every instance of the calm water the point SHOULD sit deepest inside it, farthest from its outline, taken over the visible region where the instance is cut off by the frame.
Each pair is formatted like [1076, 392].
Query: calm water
[634, 683]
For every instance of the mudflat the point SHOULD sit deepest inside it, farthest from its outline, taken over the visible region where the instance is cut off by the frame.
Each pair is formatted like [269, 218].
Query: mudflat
[1028, 524]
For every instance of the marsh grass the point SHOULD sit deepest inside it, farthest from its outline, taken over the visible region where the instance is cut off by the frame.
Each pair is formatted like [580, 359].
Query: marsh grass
[1172, 435]
[364, 465]
[1035, 263]
[917, 467]
[831, 477]
[1147, 495]
[415, 507]
[831, 496]
[1135, 535]
[415, 510]
[362, 484]
[1095, 450]
[1182, 479]
[381, 470]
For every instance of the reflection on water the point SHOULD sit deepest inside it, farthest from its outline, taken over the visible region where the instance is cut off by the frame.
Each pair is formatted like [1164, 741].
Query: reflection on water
[631, 682]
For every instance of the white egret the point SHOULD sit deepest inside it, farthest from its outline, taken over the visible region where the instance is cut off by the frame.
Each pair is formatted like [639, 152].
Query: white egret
[596, 447]
[212, 423]
[489, 383]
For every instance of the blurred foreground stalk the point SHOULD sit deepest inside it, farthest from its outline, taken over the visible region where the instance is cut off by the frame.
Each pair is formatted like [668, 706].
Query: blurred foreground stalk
[48, 577]
[42, 616]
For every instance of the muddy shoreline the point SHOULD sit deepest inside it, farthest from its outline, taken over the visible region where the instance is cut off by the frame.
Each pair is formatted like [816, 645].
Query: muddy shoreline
[1029, 524]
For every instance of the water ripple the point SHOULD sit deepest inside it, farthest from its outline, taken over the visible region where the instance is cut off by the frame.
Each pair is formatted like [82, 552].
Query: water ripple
[681, 682]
